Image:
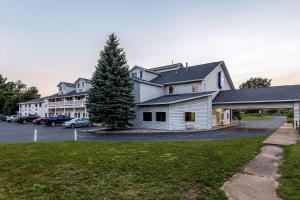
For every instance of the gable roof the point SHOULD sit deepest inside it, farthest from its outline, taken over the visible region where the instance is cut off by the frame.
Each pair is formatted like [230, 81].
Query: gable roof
[197, 72]
[148, 70]
[87, 80]
[176, 65]
[66, 83]
[170, 99]
[270, 94]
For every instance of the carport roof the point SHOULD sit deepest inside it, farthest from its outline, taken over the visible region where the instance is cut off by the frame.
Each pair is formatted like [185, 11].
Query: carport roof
[286, 93]
[170, 99]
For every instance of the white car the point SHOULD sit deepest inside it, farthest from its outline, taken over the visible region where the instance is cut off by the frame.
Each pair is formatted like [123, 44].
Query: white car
[77, 122]
[12, 118]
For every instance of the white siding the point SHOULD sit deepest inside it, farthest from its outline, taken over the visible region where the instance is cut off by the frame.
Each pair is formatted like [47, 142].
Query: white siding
[201, 107]
[33, 109]
[139, 123]
[296, 114]
[148, 92]
[86, 86]
[148, 76]
[65, 89]
[183, 88]
[211, 81]
[136, 91]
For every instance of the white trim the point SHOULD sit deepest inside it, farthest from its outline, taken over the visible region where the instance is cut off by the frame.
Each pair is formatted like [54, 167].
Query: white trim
[172, 102]
[266, 101]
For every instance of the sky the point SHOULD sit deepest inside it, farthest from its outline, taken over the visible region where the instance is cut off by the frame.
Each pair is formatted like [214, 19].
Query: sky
[43, 42]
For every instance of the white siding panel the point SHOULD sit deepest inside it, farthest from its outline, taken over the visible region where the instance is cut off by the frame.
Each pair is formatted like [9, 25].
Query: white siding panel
[148, 92]
[211, 81]
[183, 88]
[201, 107]
[296, 114]
[139, 123]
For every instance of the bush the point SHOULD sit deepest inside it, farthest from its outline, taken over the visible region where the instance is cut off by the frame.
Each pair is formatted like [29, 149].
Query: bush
[290, 114]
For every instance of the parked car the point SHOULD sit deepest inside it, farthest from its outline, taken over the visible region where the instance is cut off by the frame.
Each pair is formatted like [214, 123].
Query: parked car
[25, 119]
[77, 122]
[2, 117]
[57, 120]
[40, 121]
[11, 119]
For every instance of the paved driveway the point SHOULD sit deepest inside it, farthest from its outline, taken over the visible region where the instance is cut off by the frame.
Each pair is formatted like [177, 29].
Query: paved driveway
[13, 133]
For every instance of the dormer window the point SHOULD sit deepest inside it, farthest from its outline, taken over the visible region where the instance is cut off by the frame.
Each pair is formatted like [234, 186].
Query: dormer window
[141, 74]
[60, 88]
[82, 84]
[171, 89]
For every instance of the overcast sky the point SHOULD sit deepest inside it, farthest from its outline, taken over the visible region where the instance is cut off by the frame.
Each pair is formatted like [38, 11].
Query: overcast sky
[43, 42]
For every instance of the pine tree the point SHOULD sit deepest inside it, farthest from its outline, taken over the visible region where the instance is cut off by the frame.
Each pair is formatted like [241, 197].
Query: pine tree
[110, 101]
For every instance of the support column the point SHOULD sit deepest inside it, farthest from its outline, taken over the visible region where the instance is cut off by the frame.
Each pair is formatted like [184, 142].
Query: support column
[296, 114]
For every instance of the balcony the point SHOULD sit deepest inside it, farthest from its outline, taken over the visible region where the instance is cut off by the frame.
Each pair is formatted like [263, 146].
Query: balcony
[67, 104]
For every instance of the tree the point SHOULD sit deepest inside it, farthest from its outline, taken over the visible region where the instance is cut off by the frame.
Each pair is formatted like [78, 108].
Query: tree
[256, 82]
[110, 101]
[12, 93]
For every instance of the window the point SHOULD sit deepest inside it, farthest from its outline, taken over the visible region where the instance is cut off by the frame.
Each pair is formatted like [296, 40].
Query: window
[141, 74]
[36, 105]
[171, 89]
[190, 116]
[60, 88]
[220, 80]
[194, 87]
[147, 116]
[40, 104]
[161, 116]
[134, 75]
[82, 84]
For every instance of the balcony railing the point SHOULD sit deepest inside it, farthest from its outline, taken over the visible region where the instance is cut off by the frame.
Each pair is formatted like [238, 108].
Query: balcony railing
[67, 104]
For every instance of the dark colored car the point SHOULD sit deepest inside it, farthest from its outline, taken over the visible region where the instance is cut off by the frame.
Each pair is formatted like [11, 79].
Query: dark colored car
[25, 119]
[57, 120]
[40, 121]
[2, 117]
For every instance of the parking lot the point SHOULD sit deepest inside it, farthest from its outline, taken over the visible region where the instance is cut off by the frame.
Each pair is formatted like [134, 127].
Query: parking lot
[14, 133]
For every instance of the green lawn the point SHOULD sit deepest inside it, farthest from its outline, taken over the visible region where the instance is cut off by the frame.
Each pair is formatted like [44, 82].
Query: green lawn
[252, 117]
[290, 170]
[111, 170]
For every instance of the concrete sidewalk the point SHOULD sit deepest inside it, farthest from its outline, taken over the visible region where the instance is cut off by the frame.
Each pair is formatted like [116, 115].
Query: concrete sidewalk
[257, 181]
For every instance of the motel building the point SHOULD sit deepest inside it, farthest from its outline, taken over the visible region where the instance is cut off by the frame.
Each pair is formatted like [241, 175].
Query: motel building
[177, 97]
[70, 100]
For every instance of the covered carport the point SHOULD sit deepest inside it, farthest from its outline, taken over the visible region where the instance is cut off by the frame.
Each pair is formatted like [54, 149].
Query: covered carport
[280, 97]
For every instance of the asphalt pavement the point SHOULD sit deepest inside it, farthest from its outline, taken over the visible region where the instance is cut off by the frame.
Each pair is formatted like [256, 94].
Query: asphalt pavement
[15, 133]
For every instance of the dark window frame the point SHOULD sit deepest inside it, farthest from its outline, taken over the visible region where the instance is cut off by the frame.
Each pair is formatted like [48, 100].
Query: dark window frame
[190, 116]
[147, 118]
[161, 116]
[171, 89]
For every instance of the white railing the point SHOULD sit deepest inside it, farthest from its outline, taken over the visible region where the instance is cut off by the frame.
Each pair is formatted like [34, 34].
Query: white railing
[67, 104]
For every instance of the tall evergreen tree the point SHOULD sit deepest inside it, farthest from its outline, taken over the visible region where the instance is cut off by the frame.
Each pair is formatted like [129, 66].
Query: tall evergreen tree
[110, 100]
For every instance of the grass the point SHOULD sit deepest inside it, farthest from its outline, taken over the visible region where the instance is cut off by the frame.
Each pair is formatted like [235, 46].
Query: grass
[289, 188]
[253, 117]
[131, 170]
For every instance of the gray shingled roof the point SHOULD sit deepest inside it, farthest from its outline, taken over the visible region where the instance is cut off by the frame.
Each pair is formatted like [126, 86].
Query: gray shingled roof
[73, 93]
[38, 100]
[169, 99]
[278, 93]
[186, 73]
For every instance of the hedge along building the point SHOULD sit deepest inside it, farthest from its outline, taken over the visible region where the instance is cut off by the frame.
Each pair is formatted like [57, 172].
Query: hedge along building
[175, 97]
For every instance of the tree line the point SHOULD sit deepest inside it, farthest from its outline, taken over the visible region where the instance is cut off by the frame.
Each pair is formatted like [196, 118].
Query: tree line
[12, 93]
